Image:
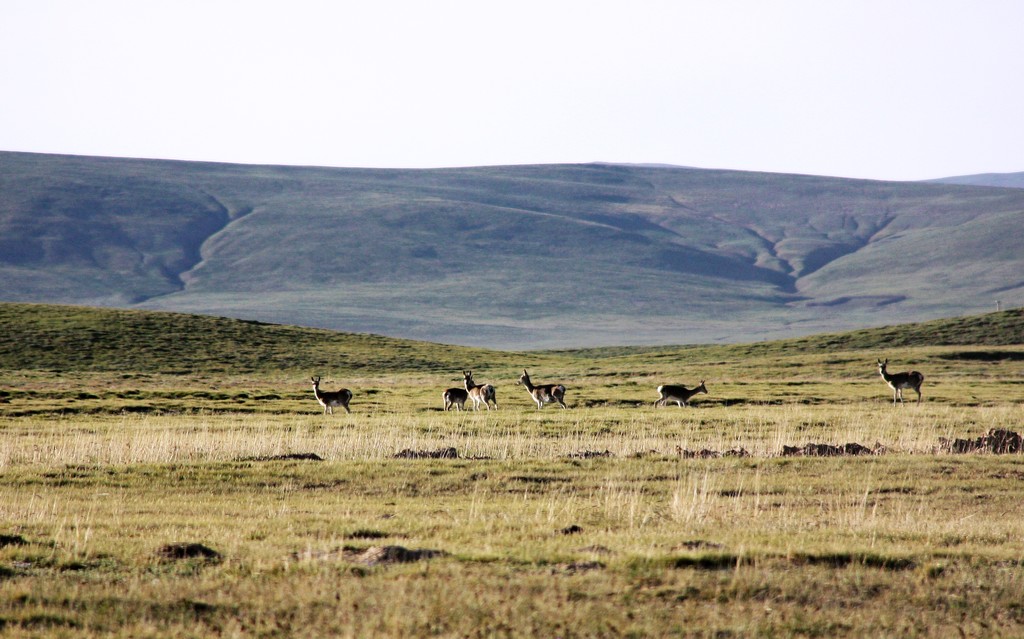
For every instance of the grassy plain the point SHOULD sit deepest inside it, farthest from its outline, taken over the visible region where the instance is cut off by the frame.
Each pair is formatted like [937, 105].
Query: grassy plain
[584, 522]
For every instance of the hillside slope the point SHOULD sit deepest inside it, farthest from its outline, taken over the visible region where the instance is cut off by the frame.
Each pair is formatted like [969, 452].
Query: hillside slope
[508, 257]
[63, 338]
[45, 337]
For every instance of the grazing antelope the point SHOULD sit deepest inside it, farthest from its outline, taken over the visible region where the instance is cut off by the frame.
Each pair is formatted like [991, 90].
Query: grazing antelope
[331, 399]
[898, 381]
[544, 394]
[480, 394]
[678, 394]
[455, 397]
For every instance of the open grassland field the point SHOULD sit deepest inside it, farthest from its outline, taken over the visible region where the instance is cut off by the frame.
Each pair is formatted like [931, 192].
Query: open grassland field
[166, 475]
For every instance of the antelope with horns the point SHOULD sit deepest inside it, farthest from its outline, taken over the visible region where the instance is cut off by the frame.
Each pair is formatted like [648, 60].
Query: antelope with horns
[544, 394]
[330, 399]
[898, 381]
[480, 393]
[679, 394]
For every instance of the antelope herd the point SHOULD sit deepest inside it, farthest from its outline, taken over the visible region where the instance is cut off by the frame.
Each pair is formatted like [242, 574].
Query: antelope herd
[485, 394]
[478, 393]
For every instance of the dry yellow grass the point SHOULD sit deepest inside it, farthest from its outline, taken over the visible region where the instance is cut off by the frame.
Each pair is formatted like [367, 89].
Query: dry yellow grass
[596, 521]
[515, 434]
[912, 542]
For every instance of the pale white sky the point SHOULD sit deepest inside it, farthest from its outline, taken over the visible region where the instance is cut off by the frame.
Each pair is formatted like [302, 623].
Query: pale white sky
[887, 89]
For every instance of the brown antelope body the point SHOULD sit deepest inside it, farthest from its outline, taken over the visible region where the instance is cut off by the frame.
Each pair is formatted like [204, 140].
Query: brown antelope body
[544, 394]
[329, 399]
[455, 397]
[898, 381]
[480, 393]
[679, 394]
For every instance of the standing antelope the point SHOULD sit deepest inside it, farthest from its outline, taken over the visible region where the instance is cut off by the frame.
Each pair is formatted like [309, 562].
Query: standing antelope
[898, 381]
[331, 399]
[678, 394]
[455, 397]
[544, 394]
[480, 394]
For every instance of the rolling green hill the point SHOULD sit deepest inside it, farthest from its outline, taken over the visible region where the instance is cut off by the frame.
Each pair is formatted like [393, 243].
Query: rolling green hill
[82, 360]
[507, 257]
[83, 339]
[89, 339]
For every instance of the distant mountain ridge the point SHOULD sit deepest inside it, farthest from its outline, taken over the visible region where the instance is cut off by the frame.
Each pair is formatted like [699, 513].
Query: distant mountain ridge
[1003, 180]
[507, 257]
